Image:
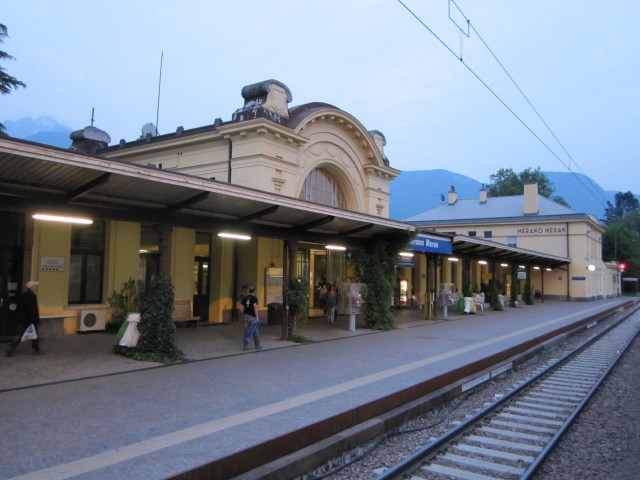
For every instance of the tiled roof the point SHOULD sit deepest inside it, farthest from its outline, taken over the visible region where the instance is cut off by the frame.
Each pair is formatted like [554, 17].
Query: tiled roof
[511, 207]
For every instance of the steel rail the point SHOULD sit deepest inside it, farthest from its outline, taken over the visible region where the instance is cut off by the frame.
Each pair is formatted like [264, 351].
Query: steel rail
[409, 464]
[539, 460]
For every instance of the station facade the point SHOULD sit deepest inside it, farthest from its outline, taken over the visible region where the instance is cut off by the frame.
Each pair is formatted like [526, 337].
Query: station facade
[276, 192]
[569, 243]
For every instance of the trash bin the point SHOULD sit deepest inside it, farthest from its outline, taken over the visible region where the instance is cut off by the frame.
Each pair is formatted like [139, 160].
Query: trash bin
[274, 313]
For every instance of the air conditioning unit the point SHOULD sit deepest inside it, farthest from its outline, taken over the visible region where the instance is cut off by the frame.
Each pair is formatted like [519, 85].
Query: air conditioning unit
[89, 320]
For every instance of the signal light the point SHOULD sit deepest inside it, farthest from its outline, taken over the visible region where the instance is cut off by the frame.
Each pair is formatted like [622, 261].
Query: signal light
[622, 267]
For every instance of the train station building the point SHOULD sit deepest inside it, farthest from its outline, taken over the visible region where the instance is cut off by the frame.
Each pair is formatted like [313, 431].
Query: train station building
[570, 266]
[274, 193]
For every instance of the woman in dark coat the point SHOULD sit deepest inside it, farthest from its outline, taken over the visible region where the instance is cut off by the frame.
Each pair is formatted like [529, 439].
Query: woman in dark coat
[28, 314]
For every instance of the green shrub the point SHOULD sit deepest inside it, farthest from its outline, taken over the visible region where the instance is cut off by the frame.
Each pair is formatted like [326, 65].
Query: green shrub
[494, 290]
[297, 297]
[130, 298]
[515, 291]
[528, 298]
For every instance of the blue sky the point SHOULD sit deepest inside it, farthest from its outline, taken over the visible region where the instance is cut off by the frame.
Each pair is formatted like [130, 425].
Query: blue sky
[577, 62]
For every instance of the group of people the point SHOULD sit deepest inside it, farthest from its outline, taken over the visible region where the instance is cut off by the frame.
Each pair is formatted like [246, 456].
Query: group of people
[27, 314]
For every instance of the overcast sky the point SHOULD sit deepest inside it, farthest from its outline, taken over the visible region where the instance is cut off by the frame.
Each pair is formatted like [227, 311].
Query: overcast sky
[577, 62]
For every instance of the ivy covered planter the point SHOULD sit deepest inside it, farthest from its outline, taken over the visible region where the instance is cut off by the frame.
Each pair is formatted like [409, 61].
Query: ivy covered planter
[375, 266]
[157, 341]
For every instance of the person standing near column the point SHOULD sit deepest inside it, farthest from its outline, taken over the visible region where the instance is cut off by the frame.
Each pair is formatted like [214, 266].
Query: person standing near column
[331, 300]
[28, 314]
[251, 320]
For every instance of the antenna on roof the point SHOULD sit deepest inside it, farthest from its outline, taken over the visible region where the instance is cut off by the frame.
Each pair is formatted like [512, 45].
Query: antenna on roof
[92, 110]
[159, 84]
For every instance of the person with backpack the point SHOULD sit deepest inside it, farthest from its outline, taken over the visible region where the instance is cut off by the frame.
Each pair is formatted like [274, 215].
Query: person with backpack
[251, 320]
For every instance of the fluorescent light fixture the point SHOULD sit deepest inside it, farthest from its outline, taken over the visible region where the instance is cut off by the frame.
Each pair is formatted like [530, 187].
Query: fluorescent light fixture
[521, 266]
[58, 218]
[536, 268]
[453, 259]
[340, 248]
[548, 269]
[235, 236]
[504, 265]
[482, 262]
[406, 254]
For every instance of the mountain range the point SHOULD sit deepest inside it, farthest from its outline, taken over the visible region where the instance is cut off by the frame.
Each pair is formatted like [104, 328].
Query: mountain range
[44, 130]
[412, 192]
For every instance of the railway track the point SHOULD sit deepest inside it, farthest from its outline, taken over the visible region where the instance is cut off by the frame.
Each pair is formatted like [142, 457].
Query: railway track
[510, 438]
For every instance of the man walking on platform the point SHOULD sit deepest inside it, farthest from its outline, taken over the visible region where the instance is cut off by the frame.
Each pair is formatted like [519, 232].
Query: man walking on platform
[251, 320]
[27, 315]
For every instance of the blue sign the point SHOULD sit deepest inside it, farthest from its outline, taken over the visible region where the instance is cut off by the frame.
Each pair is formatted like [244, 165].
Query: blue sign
[578, 278]
[424, 243]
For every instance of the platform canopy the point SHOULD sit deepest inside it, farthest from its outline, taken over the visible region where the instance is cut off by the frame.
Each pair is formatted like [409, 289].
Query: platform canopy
[479, 248]
[40, 178]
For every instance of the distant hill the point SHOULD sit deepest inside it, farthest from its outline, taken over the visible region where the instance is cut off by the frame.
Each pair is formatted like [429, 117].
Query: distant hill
[413, 192]
[44, 130]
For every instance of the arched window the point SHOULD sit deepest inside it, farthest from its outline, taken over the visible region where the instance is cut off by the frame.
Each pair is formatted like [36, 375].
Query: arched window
[321, 187]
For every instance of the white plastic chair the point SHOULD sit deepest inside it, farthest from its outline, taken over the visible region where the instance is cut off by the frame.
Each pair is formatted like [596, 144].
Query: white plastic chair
[479, 299]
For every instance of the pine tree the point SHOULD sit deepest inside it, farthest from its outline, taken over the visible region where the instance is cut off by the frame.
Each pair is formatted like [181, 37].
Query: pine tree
[7, 82]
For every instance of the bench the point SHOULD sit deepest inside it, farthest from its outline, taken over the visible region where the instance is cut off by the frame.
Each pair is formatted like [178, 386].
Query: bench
[182, 314]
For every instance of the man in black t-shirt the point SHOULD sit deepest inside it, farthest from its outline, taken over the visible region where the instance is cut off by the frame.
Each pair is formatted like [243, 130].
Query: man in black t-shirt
[251, 320]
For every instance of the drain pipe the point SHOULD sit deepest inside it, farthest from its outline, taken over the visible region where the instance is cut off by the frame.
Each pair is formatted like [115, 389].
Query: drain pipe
[229, 161]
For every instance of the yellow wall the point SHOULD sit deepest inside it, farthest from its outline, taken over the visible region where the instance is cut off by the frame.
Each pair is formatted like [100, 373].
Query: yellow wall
[182, 255]
[221, 279]
[578, 240]
[122, 255]
[51, 239]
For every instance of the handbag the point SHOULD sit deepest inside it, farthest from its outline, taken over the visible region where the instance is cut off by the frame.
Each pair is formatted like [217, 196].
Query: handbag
[30, 333]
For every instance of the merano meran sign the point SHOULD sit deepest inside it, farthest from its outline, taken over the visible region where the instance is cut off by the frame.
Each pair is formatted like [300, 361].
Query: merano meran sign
[541, 230]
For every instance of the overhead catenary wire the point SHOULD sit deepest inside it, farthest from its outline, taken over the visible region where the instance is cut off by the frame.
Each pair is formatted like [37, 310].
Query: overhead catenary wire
[524, 124]
[472, 27]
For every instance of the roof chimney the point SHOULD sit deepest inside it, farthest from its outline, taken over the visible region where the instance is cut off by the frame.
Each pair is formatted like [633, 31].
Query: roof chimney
[269, 99]
[531, 198]
[453, 196]
[483, 194]
[89, 140]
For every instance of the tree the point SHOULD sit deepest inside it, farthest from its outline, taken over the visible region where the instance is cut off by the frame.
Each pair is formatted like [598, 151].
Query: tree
[625, 203]
[506, 182]
[621, 244]
[621, 239]
[7, 82]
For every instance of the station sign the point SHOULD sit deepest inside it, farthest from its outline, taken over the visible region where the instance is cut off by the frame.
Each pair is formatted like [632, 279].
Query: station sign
[425, 243]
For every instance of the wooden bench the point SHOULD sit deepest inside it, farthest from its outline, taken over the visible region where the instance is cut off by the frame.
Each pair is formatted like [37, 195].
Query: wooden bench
[182, 314]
